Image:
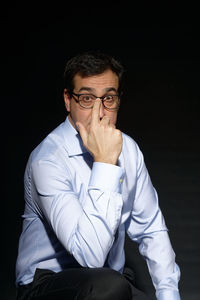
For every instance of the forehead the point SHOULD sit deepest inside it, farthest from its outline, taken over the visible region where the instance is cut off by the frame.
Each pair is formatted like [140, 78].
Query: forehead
[107, 79]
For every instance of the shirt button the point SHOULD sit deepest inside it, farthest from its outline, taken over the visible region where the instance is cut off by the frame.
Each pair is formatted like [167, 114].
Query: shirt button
[121, 180]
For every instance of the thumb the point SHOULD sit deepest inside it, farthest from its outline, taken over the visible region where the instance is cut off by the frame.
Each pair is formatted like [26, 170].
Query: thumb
[83, 132]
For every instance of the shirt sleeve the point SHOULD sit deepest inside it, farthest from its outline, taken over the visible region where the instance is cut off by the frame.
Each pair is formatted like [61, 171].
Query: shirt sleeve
[85, 225]
[147, 227]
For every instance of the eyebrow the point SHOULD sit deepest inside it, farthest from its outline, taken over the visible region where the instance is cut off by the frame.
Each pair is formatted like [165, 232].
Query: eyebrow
[85, 88]
[89, 89]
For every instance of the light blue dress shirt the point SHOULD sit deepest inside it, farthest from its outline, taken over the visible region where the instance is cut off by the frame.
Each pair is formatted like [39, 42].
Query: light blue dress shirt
[78, 210]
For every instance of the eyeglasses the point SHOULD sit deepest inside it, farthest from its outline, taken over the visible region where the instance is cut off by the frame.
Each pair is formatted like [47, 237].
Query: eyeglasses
[110, 102]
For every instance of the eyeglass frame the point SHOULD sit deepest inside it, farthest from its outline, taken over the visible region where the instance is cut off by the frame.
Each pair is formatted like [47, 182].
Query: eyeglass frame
[102, 99]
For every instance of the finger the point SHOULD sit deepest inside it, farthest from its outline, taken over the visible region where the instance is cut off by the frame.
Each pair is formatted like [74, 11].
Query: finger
[112, 125]
[83, 132]
[105, 120]
[95, 118]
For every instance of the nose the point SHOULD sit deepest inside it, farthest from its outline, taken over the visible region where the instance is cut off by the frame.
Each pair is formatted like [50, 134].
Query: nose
[101, 113]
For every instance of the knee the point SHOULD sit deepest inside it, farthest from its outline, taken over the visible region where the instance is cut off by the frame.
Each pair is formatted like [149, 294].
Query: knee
[107, 284]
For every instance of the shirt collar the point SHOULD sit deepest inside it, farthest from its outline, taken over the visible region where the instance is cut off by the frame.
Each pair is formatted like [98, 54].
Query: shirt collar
[73, 141]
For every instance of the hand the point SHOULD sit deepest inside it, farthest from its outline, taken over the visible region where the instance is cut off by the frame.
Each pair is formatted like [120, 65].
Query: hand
[102, 139]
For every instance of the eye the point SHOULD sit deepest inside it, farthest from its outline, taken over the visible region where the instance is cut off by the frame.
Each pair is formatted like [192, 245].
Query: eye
[86, 98]
[108, 98]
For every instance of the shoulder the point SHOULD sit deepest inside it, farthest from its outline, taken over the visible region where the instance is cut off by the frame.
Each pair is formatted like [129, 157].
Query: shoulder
[131, 151]
[51, 148]
[129, 144]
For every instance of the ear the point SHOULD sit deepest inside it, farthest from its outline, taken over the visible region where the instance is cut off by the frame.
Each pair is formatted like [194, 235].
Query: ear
[67, 100]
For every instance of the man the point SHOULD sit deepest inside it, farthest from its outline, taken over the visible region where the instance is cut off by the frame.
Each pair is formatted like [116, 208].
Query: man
[86, 185]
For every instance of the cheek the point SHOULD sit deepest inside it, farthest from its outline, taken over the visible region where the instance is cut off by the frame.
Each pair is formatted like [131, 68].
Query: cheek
[83, 116]
[113, 118]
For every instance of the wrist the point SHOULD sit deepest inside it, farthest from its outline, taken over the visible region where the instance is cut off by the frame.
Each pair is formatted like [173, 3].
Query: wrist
[106, 176]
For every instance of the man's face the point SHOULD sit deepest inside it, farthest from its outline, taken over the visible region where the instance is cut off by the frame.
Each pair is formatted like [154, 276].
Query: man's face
[100, 85]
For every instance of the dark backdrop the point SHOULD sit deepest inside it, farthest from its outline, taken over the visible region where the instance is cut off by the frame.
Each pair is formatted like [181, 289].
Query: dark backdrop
[160, 108]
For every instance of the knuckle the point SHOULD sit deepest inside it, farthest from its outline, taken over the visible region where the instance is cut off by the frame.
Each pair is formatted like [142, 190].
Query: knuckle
[105, 119]
[118, 132]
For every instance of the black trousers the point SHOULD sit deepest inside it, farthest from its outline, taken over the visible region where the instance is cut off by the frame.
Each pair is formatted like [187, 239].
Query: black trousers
[81, 284]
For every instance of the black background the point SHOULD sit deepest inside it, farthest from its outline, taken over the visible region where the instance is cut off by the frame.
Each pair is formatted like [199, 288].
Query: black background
[160, 49]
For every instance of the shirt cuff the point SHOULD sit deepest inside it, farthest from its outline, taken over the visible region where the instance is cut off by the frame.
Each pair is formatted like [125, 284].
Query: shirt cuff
[107, 177]
[168, 294]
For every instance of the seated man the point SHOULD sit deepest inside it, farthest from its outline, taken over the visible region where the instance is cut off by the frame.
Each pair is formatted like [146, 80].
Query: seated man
[86, 185]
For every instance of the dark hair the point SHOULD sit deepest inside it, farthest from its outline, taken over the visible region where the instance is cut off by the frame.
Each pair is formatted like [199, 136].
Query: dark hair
[89, 64]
